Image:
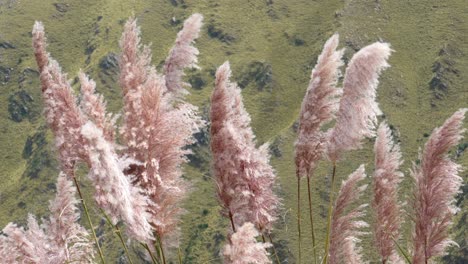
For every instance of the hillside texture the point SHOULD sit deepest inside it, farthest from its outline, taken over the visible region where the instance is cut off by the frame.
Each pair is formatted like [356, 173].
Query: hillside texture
[272, 46]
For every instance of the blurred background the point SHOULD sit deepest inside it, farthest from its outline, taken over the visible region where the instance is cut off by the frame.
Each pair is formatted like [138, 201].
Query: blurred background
[272, 46]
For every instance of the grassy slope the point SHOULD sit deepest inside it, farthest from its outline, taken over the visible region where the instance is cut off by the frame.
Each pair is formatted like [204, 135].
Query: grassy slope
[260, 32]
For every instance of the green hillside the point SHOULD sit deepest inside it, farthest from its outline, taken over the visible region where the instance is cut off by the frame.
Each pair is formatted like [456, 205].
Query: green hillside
[272, 46]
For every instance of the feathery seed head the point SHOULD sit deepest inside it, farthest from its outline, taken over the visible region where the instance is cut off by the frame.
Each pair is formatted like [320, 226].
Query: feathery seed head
[358, 110]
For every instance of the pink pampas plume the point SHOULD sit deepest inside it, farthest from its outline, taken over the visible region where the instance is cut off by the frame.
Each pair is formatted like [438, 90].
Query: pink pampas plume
[345, 228]
[183, 54]
[243, 175]
[16, 246]
[318, 108]
[62, 114]
[39, 43]
[385, 203]
[358, 111]
[164, 152]
[151, 116]
[436, 184]
[243, 247]
[134, 63]
[94, 106]
[59, 240]
[70, 238]
[114, 192]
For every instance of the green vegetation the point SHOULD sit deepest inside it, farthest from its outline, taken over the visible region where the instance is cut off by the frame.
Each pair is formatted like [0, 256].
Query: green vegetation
[272, 46]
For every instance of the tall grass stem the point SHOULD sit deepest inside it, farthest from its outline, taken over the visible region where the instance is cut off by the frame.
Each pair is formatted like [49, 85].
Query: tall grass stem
[330, 211]
[299, 214]
[89, 218]
[311, 220]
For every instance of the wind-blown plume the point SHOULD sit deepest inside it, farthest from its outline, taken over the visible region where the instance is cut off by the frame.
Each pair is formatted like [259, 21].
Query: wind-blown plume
[436, 184]
[244, 248]
[39, 42]
[63, 229]
[151, 116]
[114, 192]
[59, 240]
[243, 175]
[134, 64]
[163, 151]
[385, 190]
[346, 227]
[61, 112]
[94, 106]
[182, 54]
[318, 107]
[358, 111]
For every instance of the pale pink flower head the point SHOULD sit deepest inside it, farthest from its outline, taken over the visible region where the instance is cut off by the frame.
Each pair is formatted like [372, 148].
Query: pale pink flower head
[94, 106]
[243, 247]
[346, 226]
[60, 109]
[243, 175]
[134, 64]
[60, 239]
[39, 42]
[318, 108]
[183, 54]
[436, 184]
[358, 111]
[164, 152]
[387, 210]
[114, 192]
[71, 240]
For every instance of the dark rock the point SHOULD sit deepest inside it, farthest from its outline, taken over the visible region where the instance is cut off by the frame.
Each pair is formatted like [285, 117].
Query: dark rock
[215, 31]
[21, 105]
[21, 205]
[37, 141]
[6, 45]
[178, 2]
[294, 40]
[51, 187]
[5, 74]
[197, 81]
[175, 21]
[109, 63]
[295, 126]
[27, 77]
[90, 47]
[353, 45]
[62, 7]
[444, 70]
[275, 149]
[36, 151]
[461, 148]
[259, 72]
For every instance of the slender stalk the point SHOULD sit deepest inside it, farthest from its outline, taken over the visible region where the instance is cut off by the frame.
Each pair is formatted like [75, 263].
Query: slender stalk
[89, 219]
[179, 255]
[274, 249]
[158, 240]
[232, 222]
[299, 214]
[402, 251]
[263, 238]
[330, 211]
[153, 258]
[311, 220]
[119, 234]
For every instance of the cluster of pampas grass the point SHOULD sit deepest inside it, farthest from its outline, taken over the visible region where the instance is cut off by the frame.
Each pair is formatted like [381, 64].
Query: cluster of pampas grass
[137, 173]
